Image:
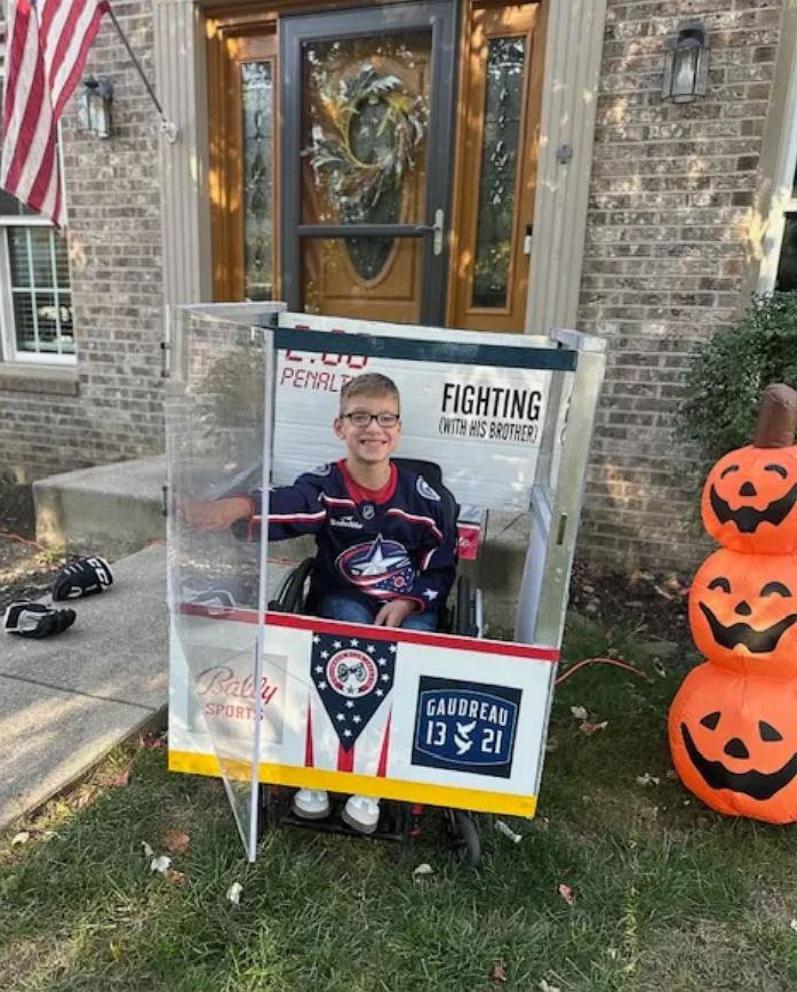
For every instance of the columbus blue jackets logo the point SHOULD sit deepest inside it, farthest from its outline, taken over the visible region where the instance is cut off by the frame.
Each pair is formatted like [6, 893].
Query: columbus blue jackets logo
[352, 675]
[379, 568]
[465, 726]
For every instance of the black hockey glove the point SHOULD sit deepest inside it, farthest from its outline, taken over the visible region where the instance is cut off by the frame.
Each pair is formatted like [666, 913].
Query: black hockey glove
[216, 598]
[36, 620]
[83, 577]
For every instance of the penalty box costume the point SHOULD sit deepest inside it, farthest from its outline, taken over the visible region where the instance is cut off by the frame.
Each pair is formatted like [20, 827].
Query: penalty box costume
[375, 546]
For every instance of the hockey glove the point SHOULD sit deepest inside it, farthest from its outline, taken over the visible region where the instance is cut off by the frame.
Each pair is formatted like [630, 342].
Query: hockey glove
[83, 577]
[36, 620]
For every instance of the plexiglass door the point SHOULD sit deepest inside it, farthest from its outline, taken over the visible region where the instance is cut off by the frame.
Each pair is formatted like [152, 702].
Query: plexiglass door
[367, 105]
[218, 424]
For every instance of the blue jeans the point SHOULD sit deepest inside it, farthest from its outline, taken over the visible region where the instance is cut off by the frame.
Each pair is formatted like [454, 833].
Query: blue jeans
[338, 606]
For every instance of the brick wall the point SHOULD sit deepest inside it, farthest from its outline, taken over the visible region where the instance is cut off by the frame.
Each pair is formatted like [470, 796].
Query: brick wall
[115, 259]
[670, 209]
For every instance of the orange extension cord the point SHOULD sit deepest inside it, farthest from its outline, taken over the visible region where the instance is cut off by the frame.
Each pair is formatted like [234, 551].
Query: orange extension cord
[599, 661]
[22, 540]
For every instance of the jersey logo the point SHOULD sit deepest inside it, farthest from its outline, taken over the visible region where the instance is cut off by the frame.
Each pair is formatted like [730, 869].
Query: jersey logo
[367, 511]
[425, 490]
[380, 568]
[324, 469]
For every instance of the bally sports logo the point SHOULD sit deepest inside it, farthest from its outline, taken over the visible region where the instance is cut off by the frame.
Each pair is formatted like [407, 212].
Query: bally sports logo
[465, 726]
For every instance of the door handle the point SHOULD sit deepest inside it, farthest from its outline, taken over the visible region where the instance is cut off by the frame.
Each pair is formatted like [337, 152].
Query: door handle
[437, 232]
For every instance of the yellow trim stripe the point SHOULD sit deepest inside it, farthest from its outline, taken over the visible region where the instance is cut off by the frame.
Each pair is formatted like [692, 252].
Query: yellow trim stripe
[477, 800]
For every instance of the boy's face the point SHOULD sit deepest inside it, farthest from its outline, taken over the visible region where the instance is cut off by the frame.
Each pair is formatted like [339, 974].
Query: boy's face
[372, 444]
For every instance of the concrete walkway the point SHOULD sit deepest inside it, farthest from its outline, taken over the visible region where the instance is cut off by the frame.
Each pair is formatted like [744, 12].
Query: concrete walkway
[66, 700]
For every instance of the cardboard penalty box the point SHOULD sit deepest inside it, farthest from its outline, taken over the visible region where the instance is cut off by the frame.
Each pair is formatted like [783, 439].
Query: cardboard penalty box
[258, 695]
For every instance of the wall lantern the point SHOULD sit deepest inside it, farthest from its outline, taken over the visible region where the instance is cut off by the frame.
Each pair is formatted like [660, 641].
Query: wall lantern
[96, 97]
[686, 65]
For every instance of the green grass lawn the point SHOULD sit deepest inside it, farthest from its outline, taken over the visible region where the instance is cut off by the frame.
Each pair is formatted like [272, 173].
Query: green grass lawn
[668, 895]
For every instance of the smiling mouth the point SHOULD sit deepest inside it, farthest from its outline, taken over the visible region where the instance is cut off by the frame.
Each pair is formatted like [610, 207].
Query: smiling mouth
[756, 641]
[756, 785]
[747, 518]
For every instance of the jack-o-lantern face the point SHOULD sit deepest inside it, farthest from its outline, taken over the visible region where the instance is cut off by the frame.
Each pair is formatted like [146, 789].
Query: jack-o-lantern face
[749, 501]
[743, 612]
[734, 743]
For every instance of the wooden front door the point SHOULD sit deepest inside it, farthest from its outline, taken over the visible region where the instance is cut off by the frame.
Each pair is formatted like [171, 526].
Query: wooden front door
[333, 143]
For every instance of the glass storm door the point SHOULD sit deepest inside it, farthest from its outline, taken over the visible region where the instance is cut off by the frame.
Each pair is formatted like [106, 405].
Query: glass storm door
[366, 160]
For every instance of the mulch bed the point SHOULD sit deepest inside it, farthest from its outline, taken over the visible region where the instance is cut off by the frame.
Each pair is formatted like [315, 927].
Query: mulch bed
[25, 571]
[654, 604]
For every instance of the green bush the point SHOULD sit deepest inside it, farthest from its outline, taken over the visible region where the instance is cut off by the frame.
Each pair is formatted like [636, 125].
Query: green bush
[732, 368]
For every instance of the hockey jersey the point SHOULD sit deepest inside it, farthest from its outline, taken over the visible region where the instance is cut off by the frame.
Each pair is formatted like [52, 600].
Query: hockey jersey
[399, 542]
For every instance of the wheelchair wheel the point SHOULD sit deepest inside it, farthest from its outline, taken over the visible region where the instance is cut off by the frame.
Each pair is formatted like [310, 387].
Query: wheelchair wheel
[464, 837]
[290, 596]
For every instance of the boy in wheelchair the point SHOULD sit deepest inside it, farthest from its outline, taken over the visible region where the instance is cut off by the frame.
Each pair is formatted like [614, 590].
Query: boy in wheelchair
[386, 538]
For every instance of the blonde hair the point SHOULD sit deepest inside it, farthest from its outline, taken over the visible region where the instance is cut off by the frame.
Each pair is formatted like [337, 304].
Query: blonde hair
[369, 384]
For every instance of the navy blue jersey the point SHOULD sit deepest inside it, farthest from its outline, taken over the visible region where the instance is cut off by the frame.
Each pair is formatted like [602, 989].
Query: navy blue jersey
[403, 547]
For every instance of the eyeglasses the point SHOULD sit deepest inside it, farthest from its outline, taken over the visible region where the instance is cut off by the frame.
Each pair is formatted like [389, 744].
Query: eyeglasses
[362, 419]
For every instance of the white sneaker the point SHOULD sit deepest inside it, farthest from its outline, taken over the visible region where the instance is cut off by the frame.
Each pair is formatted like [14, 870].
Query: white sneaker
[311, 804]
[361, 813]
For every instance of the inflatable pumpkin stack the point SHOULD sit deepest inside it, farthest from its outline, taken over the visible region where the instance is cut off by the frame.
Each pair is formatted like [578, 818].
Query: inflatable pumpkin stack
[733, 722]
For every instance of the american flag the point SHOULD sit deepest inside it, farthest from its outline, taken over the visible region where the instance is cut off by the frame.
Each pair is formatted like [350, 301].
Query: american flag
[48, 42]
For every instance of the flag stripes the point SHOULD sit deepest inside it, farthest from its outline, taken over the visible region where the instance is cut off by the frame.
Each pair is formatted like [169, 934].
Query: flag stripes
[47, 46]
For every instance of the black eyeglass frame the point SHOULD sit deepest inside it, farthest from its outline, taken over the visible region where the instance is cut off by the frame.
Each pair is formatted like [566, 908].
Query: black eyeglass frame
[372, 417]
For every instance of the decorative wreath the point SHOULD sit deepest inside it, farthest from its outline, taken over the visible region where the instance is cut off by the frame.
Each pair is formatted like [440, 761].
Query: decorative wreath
[357, 185]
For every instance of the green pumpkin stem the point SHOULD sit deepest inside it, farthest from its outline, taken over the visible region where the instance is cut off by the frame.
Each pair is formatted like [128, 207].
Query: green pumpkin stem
[777, 417]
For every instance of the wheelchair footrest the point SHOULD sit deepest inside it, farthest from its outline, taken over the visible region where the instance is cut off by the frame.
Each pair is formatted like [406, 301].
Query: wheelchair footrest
[394, 822]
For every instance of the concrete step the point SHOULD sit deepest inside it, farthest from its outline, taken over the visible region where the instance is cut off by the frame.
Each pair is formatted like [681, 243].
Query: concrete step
[115, 509]
[111, 510]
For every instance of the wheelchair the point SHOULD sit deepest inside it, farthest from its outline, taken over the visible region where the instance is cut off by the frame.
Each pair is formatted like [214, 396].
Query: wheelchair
[400, 822]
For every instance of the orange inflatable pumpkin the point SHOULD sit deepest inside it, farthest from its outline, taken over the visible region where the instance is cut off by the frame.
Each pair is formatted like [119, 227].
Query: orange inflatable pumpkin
[743, 612]
[734, 742]
[749, 501]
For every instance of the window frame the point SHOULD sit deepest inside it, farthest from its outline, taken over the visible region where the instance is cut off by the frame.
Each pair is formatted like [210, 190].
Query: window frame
[783, 201]
[10, 354]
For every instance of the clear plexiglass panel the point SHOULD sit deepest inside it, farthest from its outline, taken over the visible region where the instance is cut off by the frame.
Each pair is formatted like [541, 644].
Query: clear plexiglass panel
[217, 444]
[503, 105]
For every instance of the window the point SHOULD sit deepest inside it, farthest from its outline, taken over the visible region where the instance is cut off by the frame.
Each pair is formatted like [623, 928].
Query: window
[786, 278]
[779, 263]
[35, 292]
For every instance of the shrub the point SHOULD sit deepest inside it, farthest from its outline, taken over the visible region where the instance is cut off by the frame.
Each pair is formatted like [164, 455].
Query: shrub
[731, 369]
